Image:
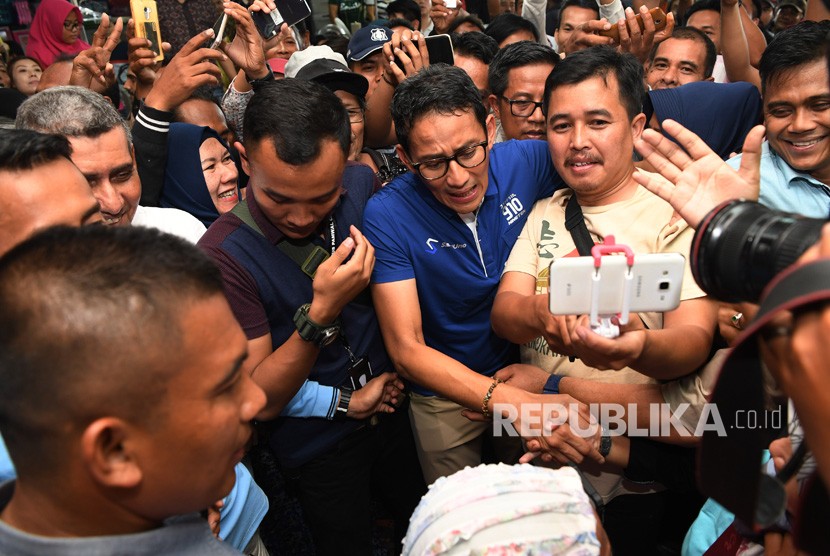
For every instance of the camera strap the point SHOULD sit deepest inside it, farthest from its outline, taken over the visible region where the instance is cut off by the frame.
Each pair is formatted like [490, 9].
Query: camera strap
[305, 253]
[575, 223]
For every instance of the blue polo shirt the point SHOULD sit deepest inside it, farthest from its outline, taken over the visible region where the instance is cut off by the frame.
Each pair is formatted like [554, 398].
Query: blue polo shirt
[784, 188]
[265, 287]
[415, 236]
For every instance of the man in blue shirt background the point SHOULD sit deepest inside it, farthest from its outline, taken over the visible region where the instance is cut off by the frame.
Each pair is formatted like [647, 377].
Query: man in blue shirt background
[442, 234]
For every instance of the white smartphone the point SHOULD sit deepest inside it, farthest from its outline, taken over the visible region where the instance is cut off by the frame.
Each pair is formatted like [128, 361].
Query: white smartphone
[219, 31]
[654, 284]
[451, 4]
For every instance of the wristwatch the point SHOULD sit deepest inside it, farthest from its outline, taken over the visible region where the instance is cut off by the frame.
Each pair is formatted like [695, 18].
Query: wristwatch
[312, 332]
[605, 444]
[342, 409]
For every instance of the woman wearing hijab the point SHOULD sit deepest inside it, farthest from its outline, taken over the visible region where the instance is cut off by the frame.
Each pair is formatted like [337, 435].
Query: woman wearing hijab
[55, 30]
[201, 176]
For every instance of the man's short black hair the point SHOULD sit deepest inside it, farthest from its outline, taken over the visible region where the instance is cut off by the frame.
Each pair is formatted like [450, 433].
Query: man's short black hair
[517, 55]
[23, 149]
[693, 34]
[585, 4]
[601, 61]
[88, 319]
[504, 25]
[701, 6]
[469, 18]
[803, 43]
[409, 8]
[297, 115]
[475, 45]
[440, 89]
[400, 22]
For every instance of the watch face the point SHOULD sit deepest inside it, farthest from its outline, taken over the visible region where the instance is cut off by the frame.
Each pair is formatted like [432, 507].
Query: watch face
[328, 336]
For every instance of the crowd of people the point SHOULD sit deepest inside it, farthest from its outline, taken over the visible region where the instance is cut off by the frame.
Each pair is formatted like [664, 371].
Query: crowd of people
[336, 258]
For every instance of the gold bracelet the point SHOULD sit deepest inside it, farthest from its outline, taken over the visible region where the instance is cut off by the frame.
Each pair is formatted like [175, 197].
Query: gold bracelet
[486, 402]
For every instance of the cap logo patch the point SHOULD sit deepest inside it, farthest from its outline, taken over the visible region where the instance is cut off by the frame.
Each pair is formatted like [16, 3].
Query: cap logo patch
[379, 35]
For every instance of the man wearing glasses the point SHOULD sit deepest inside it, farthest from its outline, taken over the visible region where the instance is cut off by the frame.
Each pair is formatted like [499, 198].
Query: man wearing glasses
[442, 234]
[517, 84]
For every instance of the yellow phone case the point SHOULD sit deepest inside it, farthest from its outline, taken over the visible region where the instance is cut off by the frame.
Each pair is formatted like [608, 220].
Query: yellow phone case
[146, 18]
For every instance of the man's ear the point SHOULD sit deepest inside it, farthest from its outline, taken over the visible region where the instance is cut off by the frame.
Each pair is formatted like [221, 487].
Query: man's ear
[490, 127]
[108, 448]
[243, 156]
[710, 78]
[404, 158]
[637, 125]
[494, 105]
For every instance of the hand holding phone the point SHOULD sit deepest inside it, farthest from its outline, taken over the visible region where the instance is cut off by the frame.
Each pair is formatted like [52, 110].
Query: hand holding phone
[146, 18]
[653, 283]
[657, 15]
[439, 49]
[269, 20]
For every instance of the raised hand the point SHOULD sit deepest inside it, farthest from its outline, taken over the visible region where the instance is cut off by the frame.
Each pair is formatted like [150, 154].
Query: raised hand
[245, 51]
[337, 282]
[193, 67]
[410, 49]
[697, 182]
[91, 68]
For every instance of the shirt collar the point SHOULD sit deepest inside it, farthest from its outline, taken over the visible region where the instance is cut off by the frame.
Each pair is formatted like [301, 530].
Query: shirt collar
[787, 172]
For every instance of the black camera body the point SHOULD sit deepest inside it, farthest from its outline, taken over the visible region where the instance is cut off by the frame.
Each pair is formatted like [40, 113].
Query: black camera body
[741, 246]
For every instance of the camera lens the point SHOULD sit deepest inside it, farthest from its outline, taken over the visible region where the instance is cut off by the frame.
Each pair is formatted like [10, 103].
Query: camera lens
[740, 246]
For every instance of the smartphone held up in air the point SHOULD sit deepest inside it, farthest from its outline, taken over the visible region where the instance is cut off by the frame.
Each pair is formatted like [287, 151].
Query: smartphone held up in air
[288, 12]
[146, 19]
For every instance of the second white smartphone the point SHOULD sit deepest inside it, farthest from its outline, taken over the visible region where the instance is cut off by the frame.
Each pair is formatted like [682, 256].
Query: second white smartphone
[654, 285]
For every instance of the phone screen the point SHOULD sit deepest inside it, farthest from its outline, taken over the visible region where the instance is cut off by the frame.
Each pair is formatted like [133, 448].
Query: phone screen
[289, 12]
[150, 34]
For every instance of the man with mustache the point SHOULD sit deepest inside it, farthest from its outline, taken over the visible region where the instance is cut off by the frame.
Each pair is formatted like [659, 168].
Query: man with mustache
[594, 114]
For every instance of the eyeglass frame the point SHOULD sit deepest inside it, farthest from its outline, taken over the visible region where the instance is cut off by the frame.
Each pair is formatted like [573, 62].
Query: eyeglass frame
[73, 26]
[540, 105]
[454, 157]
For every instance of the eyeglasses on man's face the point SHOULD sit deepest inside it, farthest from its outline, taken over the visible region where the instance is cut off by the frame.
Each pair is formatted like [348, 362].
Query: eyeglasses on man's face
[522, 107]
[468, 157]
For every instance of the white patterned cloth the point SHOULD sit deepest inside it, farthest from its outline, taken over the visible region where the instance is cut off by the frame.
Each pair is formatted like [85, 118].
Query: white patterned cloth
[504, 510]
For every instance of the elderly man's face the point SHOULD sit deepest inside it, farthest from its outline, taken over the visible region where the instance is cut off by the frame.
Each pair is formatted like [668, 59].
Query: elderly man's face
[108, 165]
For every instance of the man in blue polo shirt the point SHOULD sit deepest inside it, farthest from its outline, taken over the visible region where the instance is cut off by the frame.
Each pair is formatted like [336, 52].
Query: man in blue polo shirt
[305, 198]
[795, 162]
[442, 234]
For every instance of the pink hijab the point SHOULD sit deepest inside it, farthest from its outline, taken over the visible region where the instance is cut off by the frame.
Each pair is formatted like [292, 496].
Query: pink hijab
[45, 42]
